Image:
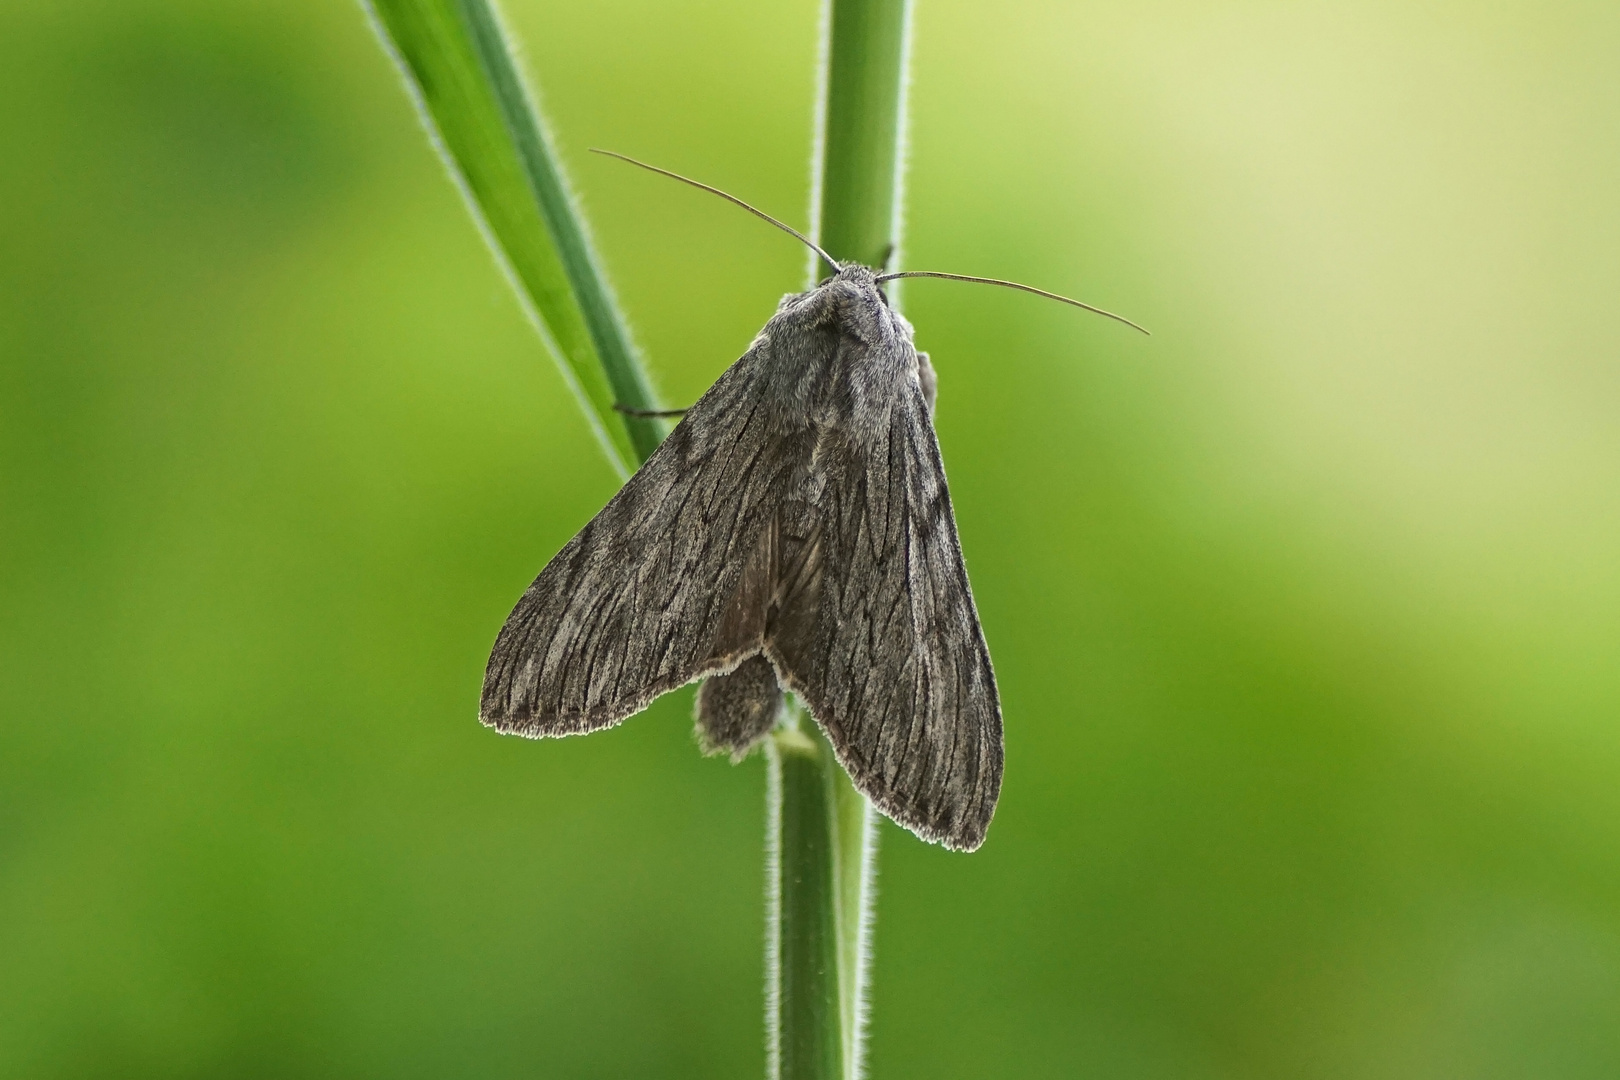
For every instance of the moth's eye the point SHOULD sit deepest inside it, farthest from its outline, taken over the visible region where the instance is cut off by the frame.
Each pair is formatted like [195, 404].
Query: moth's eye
[825, 281]
[883, 296]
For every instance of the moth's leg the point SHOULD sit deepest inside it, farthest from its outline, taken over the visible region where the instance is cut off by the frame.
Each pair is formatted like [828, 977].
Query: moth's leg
[649, 414]
[930, 381]
[888, 256]
[737, 710]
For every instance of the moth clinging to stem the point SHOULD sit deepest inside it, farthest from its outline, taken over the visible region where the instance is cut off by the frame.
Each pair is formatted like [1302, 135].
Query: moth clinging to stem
[793, 532]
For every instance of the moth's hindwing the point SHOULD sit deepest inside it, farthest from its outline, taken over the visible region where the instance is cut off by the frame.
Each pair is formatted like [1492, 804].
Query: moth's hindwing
[735, 711]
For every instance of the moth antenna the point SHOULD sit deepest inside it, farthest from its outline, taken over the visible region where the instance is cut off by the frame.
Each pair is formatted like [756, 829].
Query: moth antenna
[784, 226]
[1014, 285]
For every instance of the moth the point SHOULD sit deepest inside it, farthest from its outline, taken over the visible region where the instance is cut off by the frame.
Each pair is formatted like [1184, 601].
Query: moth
[793, 532]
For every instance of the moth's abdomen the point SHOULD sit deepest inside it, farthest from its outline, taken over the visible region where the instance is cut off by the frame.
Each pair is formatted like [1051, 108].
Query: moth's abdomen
[737, 710]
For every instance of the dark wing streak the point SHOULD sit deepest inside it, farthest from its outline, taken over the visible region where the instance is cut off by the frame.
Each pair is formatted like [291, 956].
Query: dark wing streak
[916, 564]
[733, 539]
[716, 604]
[906, 737]
[903, 735]
[580, 665]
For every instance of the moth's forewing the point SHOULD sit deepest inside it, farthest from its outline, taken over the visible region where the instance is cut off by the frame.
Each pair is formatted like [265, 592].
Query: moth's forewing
[656, 590]
[893, 664]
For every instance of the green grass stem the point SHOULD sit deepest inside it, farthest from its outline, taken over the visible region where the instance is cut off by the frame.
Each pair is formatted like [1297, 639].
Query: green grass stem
[806, 1013]
[824, 831]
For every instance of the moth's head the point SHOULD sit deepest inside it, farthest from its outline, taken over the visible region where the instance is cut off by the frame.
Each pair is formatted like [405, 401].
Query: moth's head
[852, 273]
[857, 275]
[860, 306]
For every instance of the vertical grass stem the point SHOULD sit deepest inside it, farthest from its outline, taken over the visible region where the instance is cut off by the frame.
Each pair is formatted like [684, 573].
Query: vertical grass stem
[824, 831]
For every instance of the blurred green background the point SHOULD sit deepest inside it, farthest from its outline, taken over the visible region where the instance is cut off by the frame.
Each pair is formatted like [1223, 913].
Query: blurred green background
[1306, 611]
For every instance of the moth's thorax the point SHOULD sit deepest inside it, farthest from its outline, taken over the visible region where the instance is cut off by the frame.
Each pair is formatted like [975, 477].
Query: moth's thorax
[838, 355]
